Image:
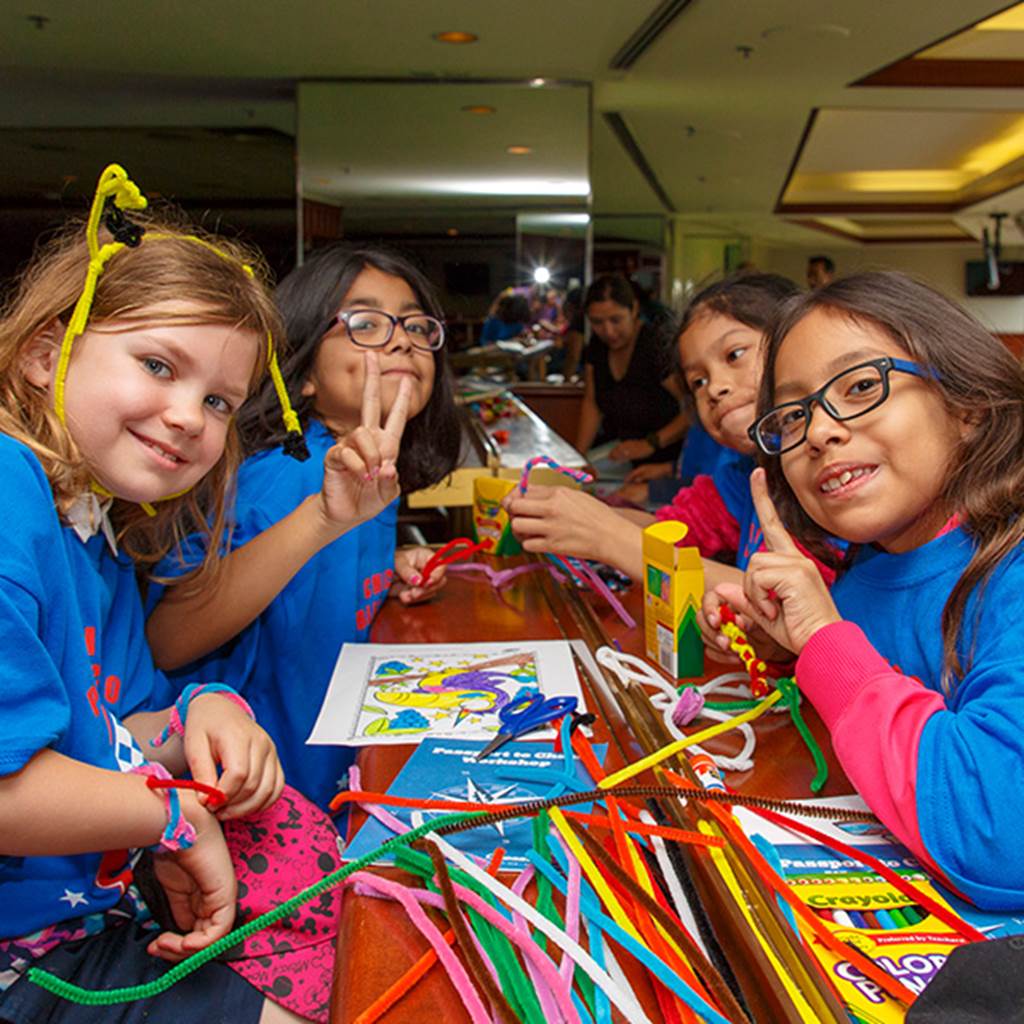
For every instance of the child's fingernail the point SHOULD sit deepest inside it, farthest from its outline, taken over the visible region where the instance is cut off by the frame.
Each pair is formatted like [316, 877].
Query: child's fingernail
[416, 580]
[367, 477]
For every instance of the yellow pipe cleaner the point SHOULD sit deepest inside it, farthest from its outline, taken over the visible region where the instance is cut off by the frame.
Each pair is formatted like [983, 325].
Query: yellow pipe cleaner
[687, 741]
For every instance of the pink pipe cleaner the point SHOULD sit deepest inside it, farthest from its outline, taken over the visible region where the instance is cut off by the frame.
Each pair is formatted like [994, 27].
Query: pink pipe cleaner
[546, 460]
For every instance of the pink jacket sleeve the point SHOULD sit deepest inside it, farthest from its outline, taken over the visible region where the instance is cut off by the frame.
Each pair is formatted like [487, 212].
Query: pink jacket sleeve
[875, 716]
[712, 527]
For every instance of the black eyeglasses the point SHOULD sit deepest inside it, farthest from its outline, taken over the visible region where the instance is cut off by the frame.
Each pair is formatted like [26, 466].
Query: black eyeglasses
[846, 396]
[373, 328]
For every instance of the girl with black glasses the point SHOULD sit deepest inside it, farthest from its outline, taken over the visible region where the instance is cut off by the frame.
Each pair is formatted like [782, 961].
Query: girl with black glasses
[314, 541]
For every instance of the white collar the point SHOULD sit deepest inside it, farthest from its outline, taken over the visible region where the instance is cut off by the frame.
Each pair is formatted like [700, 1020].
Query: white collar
[89, 516]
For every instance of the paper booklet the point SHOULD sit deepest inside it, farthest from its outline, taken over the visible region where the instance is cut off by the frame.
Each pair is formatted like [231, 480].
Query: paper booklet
[403, 693]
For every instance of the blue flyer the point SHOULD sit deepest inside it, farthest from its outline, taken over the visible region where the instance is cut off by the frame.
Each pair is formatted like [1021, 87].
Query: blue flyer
[448, 770]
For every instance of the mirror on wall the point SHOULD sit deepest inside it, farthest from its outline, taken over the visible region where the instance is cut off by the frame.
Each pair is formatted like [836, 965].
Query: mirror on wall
[445, 171]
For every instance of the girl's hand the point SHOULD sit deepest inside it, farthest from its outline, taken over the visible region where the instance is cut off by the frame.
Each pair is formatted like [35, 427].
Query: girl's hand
[717, 643]
[624, 451]
[783, 592]
[410, 588]
[360, 474]
[200, 886]
[649, 471]
[561, 520]
[219, 732]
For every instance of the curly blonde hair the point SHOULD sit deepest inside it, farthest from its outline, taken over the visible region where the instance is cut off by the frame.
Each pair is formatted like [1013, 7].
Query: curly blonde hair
[212, 279]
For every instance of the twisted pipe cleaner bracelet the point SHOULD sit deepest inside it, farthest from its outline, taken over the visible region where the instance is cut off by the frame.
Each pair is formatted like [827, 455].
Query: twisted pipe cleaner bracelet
[629, 668]
[109, 997]
[625, 1000]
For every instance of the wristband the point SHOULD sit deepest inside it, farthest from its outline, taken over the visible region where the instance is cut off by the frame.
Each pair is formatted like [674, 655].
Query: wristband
[653, 440]
[179, 834]
[179, 711]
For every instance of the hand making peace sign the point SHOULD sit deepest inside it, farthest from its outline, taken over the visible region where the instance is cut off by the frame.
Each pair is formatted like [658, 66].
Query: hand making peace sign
[783, 592]
[360, 475]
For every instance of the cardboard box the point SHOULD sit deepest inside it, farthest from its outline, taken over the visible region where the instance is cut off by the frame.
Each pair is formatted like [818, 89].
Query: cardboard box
[673, 589]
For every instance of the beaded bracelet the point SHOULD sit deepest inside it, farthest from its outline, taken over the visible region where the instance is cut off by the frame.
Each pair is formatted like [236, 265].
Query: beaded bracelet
[179, 834]
[176, 719]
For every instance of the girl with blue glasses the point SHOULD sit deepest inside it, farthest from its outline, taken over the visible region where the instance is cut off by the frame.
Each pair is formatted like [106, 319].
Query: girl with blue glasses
[890, 418]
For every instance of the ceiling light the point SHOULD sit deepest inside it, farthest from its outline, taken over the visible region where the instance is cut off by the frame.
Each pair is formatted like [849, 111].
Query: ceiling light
[458, 38]
[542, 275]
[538, 83]
[452, 232]
[518, 150]
[479, 108]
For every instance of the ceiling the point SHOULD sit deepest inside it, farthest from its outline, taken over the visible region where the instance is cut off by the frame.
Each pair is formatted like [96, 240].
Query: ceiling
[738, 118]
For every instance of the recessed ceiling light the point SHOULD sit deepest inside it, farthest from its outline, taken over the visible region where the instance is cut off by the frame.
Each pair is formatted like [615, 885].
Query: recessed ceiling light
[518, 150]
[537, 83]
[458, 38]
[479, 108]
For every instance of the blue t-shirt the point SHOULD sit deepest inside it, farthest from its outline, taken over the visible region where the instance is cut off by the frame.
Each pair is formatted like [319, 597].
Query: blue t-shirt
[282, 663]
[701, 454]
[732, 481]
[74, 661]
[970, 758]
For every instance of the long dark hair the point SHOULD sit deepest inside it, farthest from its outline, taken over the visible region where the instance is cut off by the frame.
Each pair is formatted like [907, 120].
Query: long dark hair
[980, 383]
[308, 298]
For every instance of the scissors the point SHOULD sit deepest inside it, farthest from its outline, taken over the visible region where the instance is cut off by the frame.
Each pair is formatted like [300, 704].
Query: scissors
[527, 712]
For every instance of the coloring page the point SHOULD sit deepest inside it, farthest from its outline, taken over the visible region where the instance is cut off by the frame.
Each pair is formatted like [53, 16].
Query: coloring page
[401, 693]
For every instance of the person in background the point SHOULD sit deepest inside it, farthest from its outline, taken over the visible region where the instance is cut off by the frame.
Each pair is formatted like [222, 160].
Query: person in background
[630, 393]
[820, 271]
[511, 319]
[720, 343]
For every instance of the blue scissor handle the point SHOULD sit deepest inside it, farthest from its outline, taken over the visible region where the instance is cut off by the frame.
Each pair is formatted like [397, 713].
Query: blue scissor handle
[532, 709]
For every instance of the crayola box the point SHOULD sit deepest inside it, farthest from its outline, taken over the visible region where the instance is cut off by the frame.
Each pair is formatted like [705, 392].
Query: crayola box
[673, 588]
[490, 520]
[888, 926]
[892, 928]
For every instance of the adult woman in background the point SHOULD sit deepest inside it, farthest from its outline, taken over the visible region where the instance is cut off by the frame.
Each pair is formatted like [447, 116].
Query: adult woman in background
[630, 393]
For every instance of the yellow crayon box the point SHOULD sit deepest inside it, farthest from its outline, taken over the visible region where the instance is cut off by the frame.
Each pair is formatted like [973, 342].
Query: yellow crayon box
[490, 520]
[673, 589]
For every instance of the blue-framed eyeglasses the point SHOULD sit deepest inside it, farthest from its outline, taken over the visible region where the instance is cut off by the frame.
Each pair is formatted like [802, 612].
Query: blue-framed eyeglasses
[373, 328]
[846, 396]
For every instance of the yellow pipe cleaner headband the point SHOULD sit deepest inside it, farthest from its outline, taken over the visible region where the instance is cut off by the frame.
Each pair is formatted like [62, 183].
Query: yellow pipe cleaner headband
[116, 192]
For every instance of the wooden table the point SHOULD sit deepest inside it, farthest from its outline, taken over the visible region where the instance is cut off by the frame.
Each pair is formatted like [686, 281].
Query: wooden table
[377, 943]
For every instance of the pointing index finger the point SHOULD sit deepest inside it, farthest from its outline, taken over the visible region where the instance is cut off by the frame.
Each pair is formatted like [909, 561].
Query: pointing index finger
[370, 413]
[776, 536]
